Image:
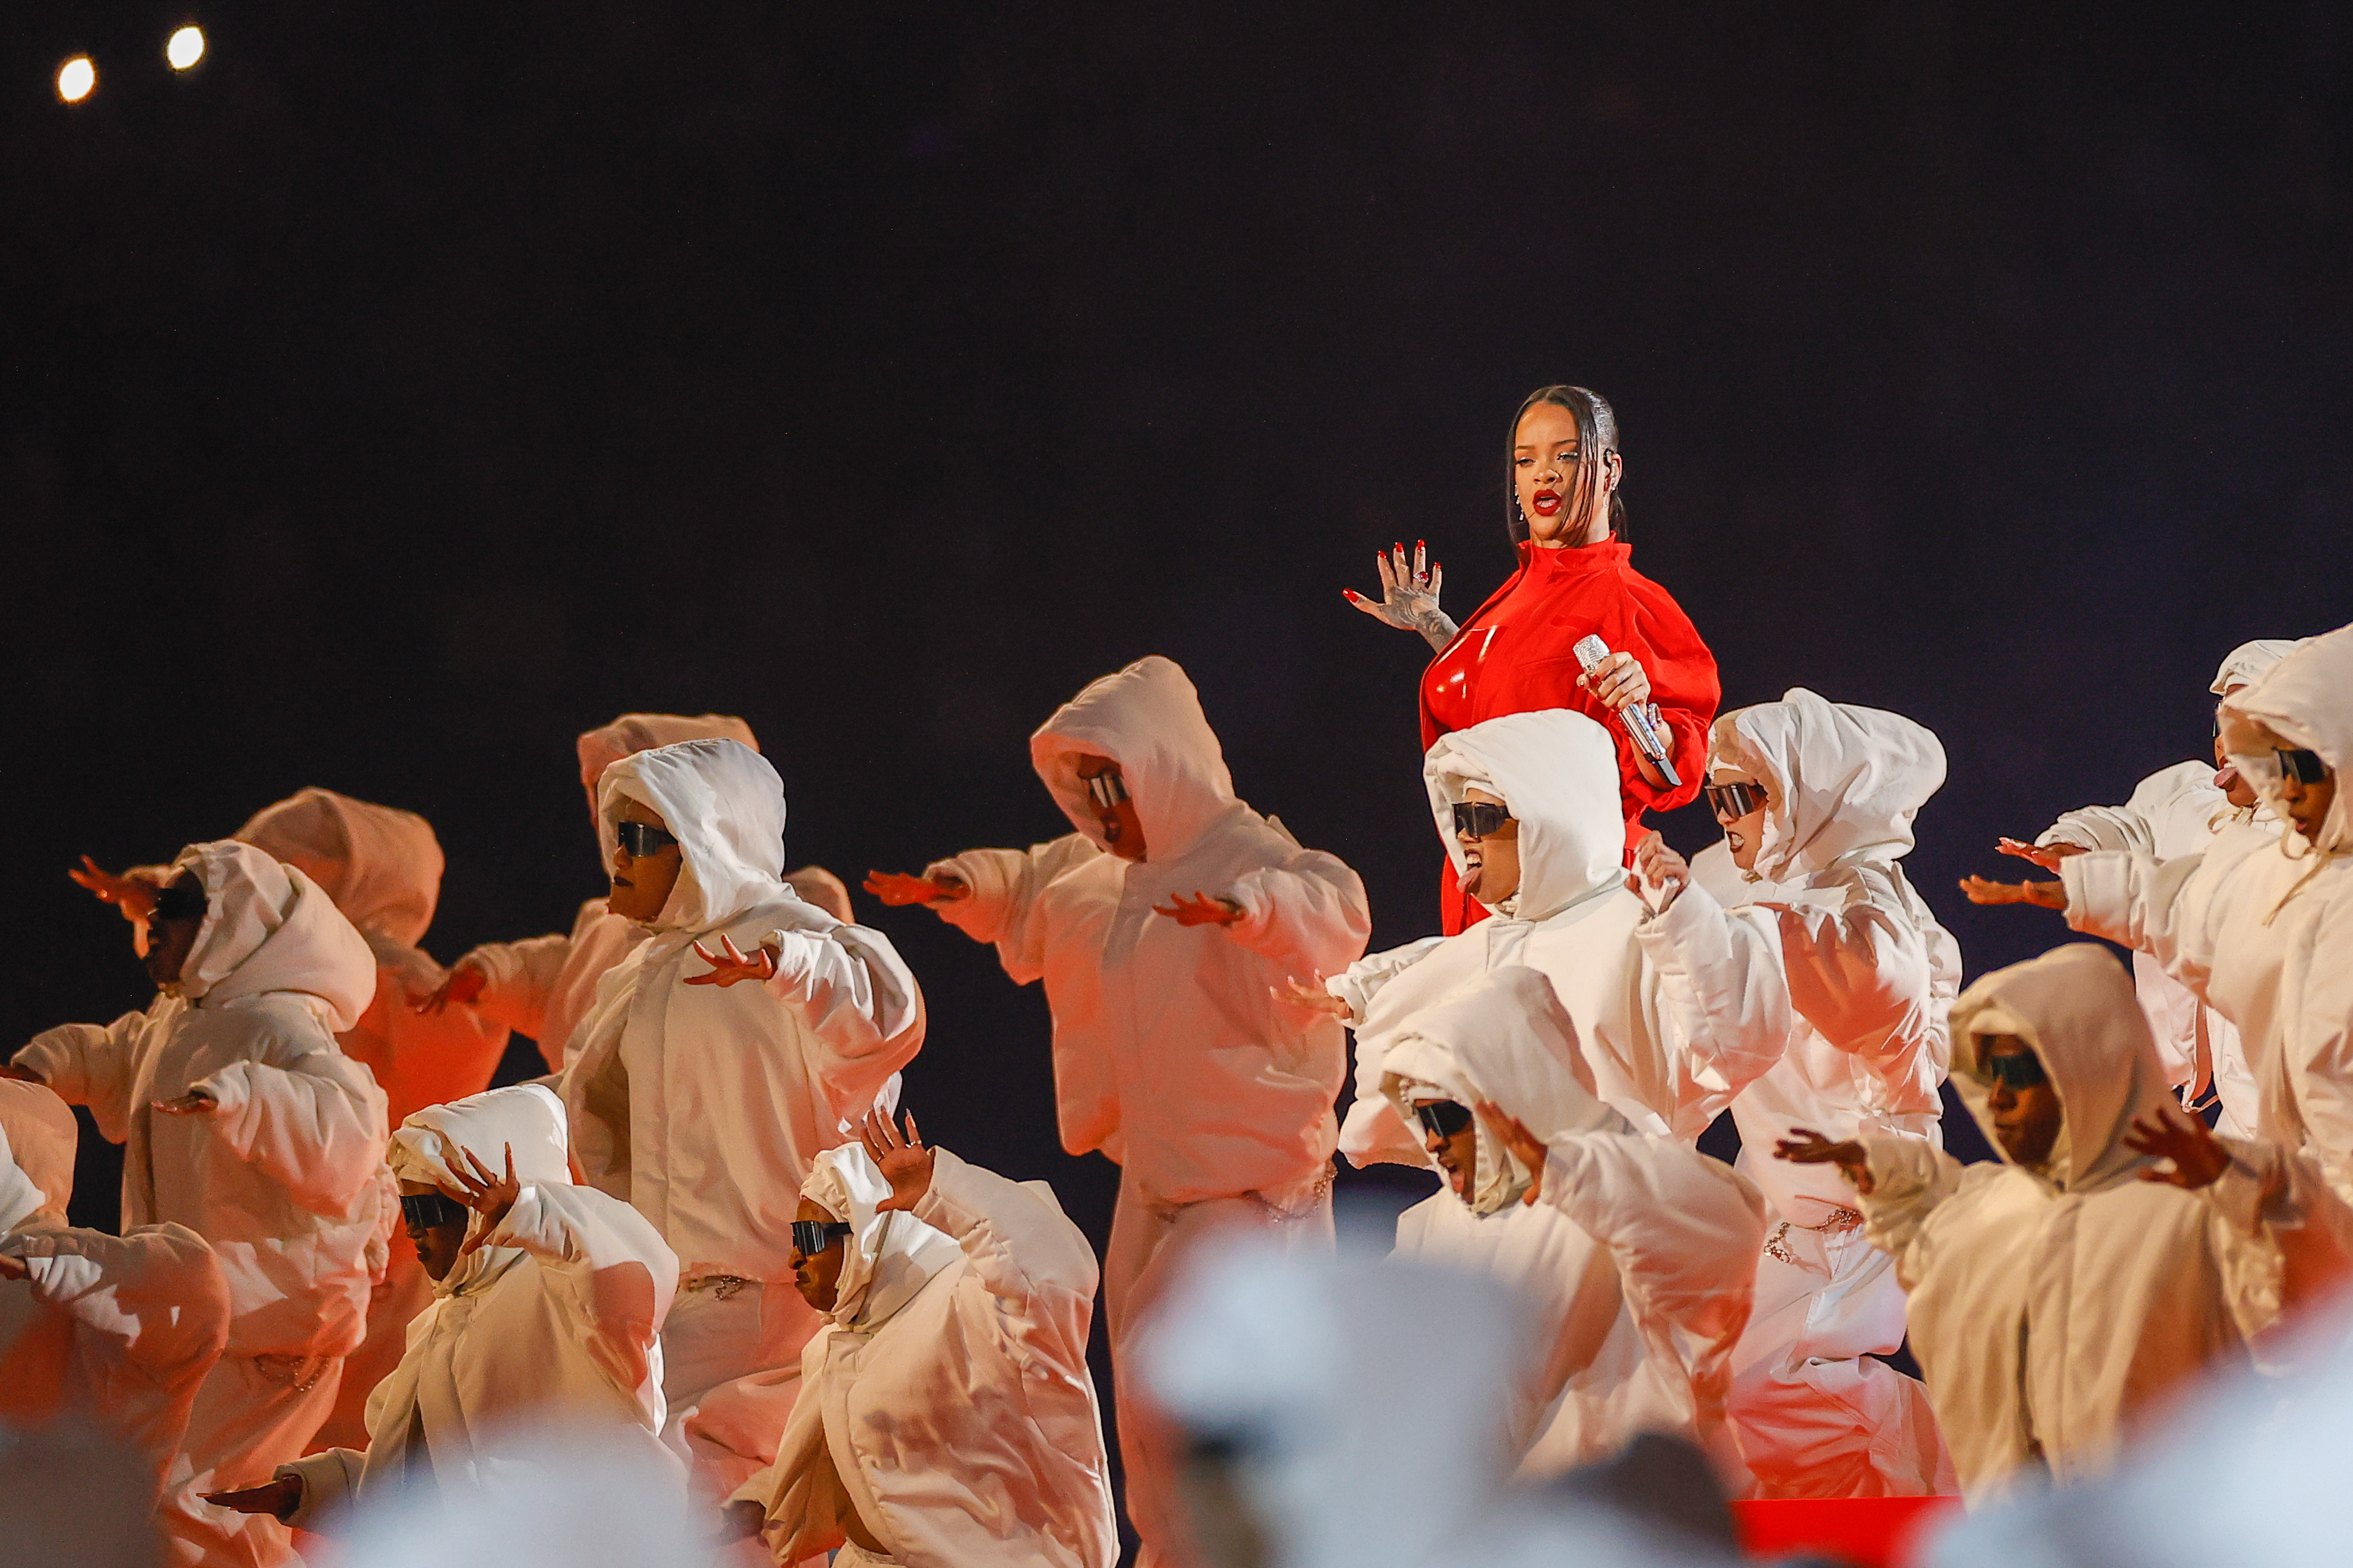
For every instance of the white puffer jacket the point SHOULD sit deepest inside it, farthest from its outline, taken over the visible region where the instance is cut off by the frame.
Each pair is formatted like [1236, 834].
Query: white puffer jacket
[1172, 1054]
[703, 1105]
[281, 1177]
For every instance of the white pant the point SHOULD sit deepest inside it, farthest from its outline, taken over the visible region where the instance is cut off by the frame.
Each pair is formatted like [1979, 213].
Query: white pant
[1815, 1415]
[1149, 1241]
[730, 1370]
[252, 1415]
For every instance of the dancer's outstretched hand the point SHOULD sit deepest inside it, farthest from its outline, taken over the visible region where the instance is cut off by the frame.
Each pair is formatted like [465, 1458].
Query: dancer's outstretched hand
[2199, 1157]
[896, 889]
[760, 964]
[1200, 909]
[462, 986]
[134, 896]
[1525, 1146]
[905, 1162]
[1312, 999]
[487, 1192]
[1804, 1146]
[2043, 895]
[196, 1102]
[2046, 855]
[1409, 598]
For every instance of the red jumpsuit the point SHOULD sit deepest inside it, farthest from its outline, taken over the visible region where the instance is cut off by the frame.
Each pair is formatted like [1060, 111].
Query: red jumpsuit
[1517, 654]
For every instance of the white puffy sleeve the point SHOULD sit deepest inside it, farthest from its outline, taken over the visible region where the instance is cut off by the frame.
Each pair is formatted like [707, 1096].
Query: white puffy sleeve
[1002, 907]
[1307, 916]
[90, 1066]
[1909, 1178]
[1028, 1254]
[1361, 981]
[608, 1267]
[1720, 973]
[518, 978]
[857, 997]
[155, 1298]
[314, 1125]
[2162, 908]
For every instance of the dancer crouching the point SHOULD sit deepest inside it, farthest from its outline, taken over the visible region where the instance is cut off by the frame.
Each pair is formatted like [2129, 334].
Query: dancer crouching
[548, 1300]
[1633, 1254]
[946, 1417]
[120, 1331]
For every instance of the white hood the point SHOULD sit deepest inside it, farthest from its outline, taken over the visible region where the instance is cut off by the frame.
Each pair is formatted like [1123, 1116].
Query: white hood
[2307, 699]
[1841, 779]
[426, 1148]
[1363, 1398]
[1558, 771]
[38, 1135]
[633, 733]
[1504, 1037]
[891, 1254]
[2076, 1008]
[267, 927]
[1146, 718]
[2250, 661]
[381, 867]
[725, 805]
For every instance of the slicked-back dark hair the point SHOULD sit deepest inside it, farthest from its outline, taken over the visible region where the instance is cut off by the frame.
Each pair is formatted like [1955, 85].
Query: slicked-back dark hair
[1596, 433]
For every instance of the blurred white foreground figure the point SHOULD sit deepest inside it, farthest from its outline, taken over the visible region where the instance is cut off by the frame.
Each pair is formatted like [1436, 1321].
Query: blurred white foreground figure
[946, 1417]
[2062, 1298]
[1164, 927]
[1799, 932]
[1528, 807]
[567, 1500]
[243, 1120]
[2260, 927]
[117, 1330]
[542, 987]
[547, 1299]
[70, 1494]
[724, 1053]
[2177, 811]
[1325, 1424]
[1631, 1256]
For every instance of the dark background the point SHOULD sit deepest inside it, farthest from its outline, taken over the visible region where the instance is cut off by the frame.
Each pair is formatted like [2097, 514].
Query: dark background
[409, 388]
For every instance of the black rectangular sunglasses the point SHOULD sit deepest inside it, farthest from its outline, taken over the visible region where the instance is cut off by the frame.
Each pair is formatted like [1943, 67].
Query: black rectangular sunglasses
[1479, 818]
[811, 1236]
[640, 839]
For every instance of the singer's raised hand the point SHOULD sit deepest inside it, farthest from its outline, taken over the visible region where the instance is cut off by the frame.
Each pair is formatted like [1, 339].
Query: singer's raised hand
[1409, 598]
[1618, 682]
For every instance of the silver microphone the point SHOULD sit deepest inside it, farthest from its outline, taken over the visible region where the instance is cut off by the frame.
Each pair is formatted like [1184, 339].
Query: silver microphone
[1636, 716]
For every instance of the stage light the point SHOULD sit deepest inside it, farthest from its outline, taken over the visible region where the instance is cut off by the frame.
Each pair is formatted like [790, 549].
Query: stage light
[75, 78]
[185, 48]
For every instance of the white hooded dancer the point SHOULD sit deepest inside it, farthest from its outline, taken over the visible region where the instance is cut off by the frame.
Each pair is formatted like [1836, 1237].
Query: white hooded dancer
[244, 1122]
[1822, 951]
[2177, 811]
[1633, 1259]
[551, 1319]
[947, 1418]
[703, 1104]
[1328, 1425]
[1571, 917]
[2259, 925]
[382, 868]
[543, 986]
[118, 1329]
[1172, 1053]
[2057, 1298]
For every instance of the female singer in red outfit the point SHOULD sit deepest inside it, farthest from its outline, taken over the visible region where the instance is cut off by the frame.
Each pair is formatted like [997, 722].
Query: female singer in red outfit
[1516, 654]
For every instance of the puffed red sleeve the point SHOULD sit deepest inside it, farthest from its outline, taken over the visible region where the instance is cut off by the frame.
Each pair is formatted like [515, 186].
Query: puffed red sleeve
[1683, 684]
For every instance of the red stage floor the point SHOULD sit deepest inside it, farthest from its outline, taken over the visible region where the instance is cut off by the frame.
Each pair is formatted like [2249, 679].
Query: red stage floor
[1869, 1532]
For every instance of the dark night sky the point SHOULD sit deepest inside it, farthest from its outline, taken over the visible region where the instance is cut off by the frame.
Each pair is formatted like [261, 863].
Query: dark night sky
[412, 387]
